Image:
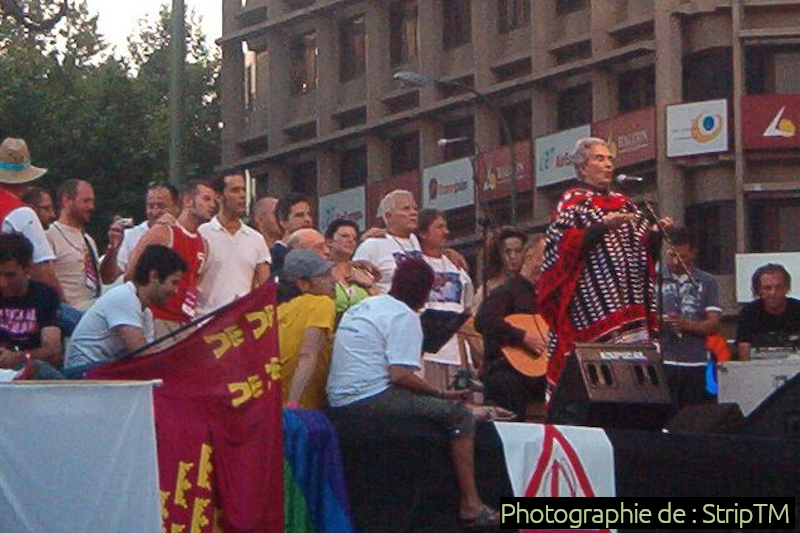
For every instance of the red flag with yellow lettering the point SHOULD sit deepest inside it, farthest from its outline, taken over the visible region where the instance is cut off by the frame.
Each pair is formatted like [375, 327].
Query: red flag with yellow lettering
[218, 421]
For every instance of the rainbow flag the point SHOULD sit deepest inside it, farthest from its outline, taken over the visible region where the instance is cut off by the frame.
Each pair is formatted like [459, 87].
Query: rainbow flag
[315, 495]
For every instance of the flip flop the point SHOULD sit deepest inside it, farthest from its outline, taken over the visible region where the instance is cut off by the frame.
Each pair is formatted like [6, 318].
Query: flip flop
[486, 517]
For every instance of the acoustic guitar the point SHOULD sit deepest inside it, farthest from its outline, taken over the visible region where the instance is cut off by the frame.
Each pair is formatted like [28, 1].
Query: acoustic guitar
[522, 359]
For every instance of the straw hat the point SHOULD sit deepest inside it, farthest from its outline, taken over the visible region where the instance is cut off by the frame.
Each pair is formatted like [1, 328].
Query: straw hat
[15, 163]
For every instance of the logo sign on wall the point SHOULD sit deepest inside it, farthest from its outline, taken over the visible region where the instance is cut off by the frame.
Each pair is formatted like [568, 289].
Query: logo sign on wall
[349, 204]
[494, 171]
[449, 186]
[770, 121]
[699, 128]
[631, 137]
[376, 190]
[552, 155]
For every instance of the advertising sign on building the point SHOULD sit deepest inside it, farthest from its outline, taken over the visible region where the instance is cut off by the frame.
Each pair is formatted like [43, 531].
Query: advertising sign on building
[376, 190]
[698, 128]
[770, 121]
[449, 186]
[553, 163]
[631, 137]
[349, 204]
[494, 171]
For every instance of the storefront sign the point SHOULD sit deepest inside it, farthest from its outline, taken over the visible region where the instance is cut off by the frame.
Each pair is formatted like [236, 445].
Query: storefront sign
[495, 171]
[770, 121]
[631, 137]
[553, 164]
[449, 186]
[699, 128]
[349, 204]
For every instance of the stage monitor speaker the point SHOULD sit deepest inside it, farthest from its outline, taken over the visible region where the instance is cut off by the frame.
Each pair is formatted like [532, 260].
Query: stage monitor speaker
[612, 386]
[707, 418]
[778, 415]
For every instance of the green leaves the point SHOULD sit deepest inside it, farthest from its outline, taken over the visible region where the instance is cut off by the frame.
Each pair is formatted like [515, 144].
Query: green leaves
[89, 115]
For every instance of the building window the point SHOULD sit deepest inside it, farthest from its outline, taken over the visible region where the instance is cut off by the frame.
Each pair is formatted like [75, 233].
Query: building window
[249, 80]
[353, 168]
[712, 223]
[303, 56]
[773, 225]
[352, 48]
[404, 41]
[708, 75]
[636, 89]
[575, 107]
[518, 118]
[291, 5]
[405, 153]
[462, 131]
[304, 179]
[569, 6]
[457, 23]
[512, 15]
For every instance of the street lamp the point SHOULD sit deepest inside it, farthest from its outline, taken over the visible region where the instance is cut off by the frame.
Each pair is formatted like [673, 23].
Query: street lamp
[420, 80]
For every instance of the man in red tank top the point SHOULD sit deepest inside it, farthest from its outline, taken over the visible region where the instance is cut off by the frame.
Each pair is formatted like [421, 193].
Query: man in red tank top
[198, 205]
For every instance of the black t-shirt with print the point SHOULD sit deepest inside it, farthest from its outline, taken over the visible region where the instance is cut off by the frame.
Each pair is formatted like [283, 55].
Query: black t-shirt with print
[760, 328]
[22, 318]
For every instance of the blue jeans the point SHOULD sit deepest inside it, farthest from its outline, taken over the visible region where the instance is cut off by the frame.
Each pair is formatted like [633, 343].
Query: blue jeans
[69, 319]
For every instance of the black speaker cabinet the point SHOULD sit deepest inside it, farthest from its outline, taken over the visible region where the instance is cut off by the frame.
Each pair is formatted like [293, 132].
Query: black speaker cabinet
[620, 386]
[778, 415]
[707, 418]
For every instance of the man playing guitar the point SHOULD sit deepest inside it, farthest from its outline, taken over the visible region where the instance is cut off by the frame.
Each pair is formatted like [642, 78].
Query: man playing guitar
[506, 385]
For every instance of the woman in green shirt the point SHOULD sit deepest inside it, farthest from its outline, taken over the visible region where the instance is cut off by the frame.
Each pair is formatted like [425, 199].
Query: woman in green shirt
[354, 280]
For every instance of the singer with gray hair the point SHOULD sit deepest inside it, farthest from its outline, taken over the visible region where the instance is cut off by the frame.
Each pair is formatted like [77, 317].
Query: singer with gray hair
[599, 264]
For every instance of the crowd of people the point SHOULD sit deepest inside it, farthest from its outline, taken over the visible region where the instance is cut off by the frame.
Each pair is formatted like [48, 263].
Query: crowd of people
[348, 304]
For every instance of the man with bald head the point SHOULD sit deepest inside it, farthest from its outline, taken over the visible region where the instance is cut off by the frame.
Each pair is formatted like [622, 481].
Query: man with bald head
[265, 221]
[399, 211]
[310, 239]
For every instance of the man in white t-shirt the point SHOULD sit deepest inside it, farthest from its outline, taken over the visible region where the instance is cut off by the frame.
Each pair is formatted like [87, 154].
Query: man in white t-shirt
[16, 172]
[399, 212]
[161, 199]
[120, 322]
[452, 291]
[372, 378]
[238, 258]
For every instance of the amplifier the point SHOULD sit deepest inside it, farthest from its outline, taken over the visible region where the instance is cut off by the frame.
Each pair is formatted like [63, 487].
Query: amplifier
[748, 383]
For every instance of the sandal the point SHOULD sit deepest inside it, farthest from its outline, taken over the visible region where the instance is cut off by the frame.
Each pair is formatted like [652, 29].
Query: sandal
[486, 517]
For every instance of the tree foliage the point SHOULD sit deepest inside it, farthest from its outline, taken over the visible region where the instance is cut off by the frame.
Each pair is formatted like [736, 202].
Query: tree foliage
[90, 115]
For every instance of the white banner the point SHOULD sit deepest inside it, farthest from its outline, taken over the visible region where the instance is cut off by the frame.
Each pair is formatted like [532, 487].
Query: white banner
[545, 460]
[449, 186]
[553, 163]
[747, 264]
[350, 204]
[699, 128]
[78, 458]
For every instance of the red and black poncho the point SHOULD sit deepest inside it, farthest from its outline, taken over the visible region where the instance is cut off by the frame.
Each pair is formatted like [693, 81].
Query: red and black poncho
[596, 284]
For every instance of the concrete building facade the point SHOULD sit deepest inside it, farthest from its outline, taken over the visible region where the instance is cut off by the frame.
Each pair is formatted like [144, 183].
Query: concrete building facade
[310, 103]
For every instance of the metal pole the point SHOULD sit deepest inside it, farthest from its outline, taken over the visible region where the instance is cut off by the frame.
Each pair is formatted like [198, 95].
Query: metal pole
[178, 58]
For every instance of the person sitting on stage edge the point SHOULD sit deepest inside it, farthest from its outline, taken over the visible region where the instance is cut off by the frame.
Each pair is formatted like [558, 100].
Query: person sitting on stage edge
[599, 263]
[120, 322]
[306, 316]
[692, 313]
[28, 310]
[772, 320]
[375, 355]
[505, 386]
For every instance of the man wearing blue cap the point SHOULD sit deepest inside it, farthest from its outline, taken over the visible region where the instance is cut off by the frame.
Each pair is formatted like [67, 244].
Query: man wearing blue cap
[306, 316]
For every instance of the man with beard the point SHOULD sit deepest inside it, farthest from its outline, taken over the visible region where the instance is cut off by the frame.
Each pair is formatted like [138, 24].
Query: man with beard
[198, 206]
[238, 258]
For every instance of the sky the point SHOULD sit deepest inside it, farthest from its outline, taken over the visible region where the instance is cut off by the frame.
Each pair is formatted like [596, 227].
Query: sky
[119, 18]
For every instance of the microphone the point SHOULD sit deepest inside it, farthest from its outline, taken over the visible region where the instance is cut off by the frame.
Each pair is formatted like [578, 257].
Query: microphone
[624, 178]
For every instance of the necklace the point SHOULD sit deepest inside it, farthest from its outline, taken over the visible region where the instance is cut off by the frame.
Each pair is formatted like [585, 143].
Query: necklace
[81, 249]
